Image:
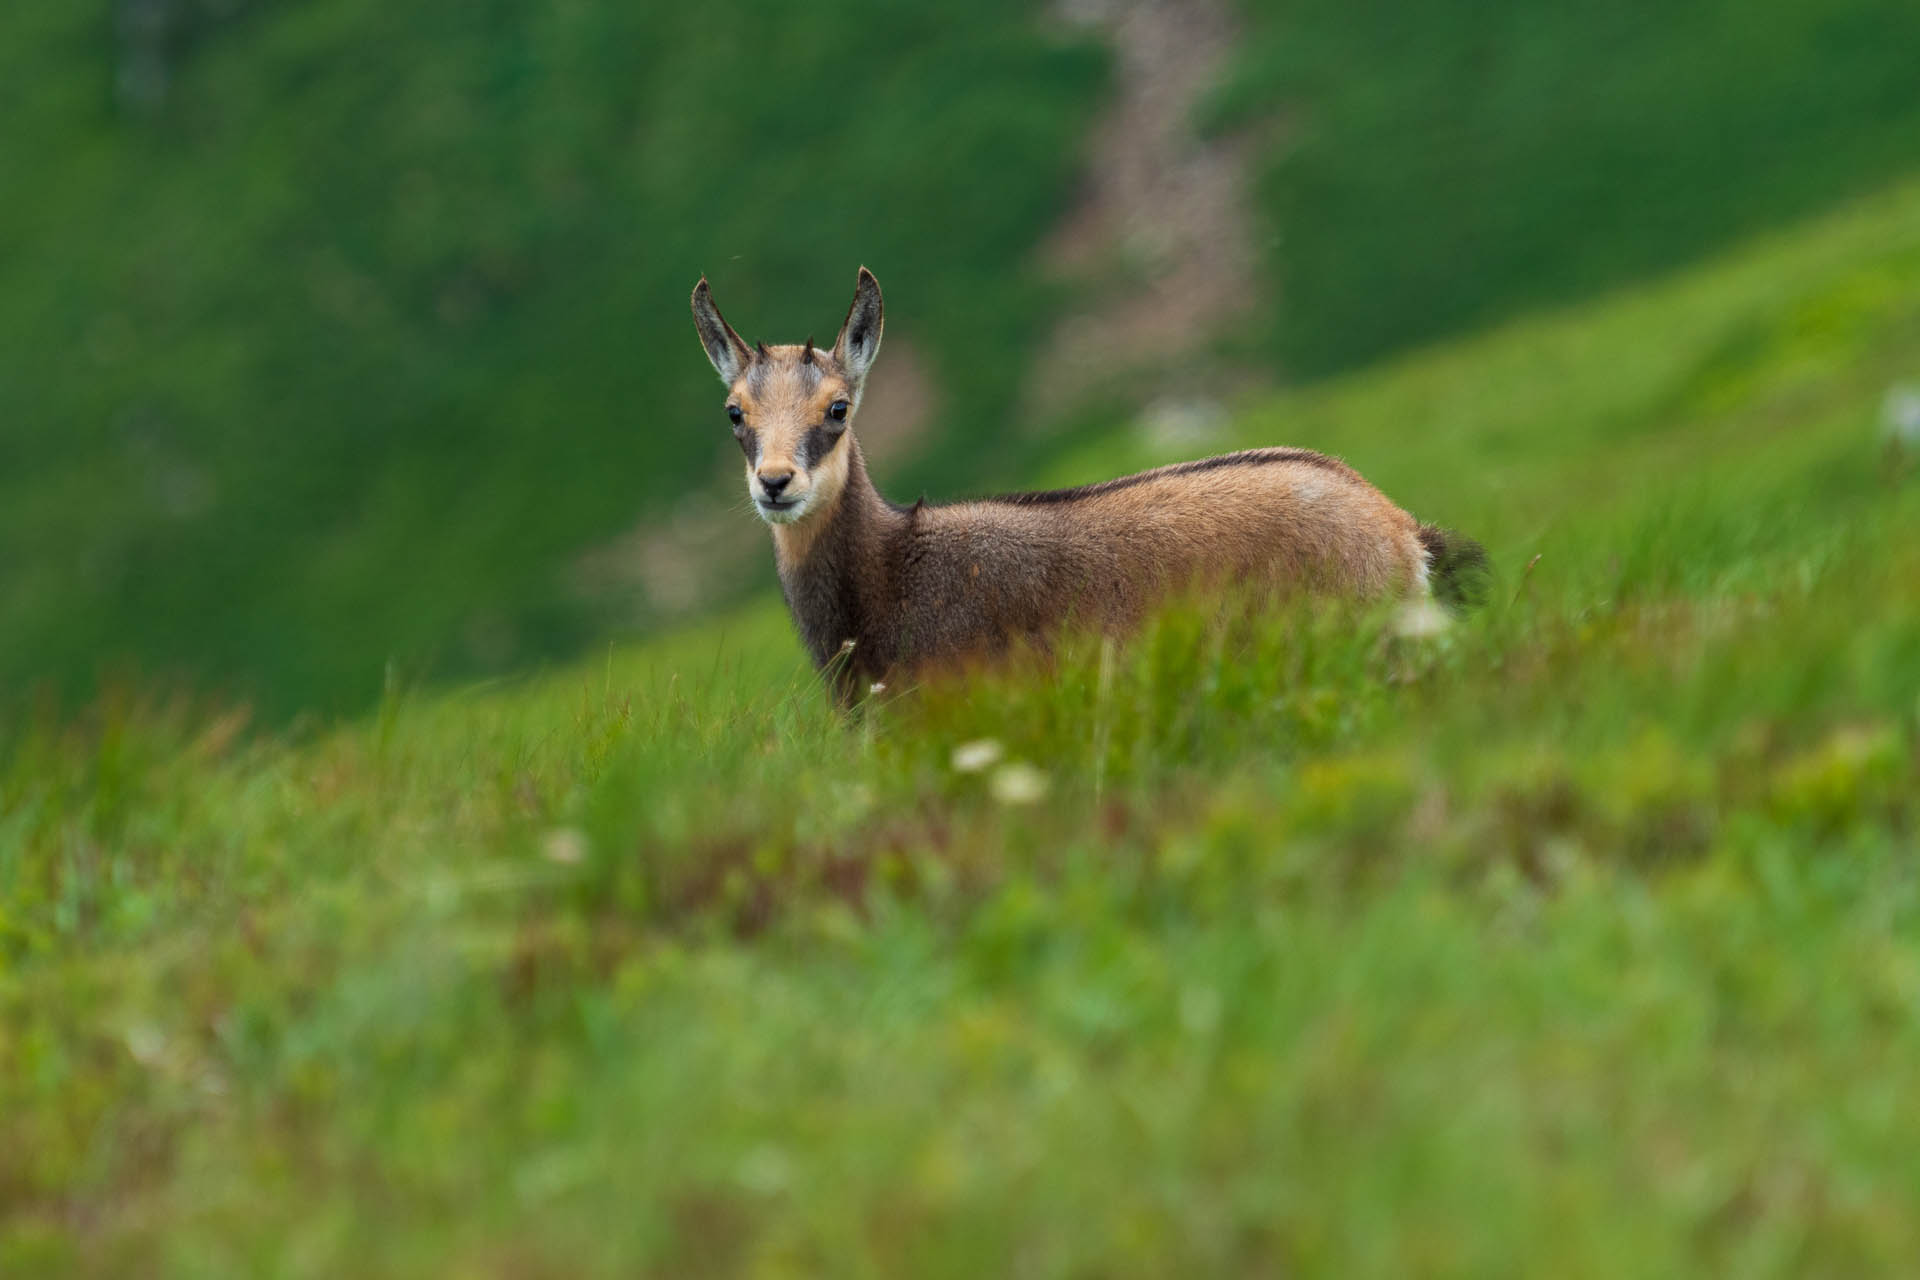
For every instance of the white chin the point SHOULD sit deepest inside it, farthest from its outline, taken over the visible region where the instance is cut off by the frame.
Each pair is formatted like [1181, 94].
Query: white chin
[781, 515]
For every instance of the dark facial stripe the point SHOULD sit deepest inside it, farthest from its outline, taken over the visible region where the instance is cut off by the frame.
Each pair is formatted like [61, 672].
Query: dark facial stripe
[817, 444]
[749, 441]
[1245, 458]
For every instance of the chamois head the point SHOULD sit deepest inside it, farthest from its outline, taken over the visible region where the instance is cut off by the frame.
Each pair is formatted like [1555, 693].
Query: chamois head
[791, 405]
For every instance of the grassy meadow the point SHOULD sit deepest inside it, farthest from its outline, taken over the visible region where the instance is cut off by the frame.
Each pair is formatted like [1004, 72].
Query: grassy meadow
[1556, 150]
[1582, 939]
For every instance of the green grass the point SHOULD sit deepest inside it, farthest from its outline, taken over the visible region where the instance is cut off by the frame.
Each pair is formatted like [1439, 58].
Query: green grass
[1582, 940]
[341, 352]
[1432, 168]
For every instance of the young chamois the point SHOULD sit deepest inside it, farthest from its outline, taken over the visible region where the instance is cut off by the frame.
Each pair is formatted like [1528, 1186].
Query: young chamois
[905, 585]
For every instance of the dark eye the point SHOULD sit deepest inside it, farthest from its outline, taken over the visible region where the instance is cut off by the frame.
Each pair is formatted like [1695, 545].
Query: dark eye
[733, 415]
[837, 411]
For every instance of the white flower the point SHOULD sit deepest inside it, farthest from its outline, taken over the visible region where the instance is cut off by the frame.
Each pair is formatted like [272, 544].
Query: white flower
[973, 757]
[147, 1043]
[1900, 414]
[765, 1169]
[1018, 783]
[565, 845]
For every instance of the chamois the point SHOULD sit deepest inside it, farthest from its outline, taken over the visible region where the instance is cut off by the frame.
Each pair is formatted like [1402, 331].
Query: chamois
[876, 587]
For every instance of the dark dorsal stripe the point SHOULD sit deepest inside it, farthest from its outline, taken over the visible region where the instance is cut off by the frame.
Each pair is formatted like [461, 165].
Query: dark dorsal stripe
[1245, 458]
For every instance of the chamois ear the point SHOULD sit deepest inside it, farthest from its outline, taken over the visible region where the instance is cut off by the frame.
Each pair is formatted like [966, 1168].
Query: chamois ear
[726, 349]
[859, 340]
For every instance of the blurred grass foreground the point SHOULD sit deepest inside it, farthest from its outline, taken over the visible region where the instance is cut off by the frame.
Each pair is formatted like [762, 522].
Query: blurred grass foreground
[1580, 939]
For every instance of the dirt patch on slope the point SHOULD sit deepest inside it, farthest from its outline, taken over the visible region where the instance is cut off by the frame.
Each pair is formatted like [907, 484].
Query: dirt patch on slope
[1159, 231]
[1161, 210]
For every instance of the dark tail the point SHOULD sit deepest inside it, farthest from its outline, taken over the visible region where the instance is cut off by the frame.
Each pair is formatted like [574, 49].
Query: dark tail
[1457, 568]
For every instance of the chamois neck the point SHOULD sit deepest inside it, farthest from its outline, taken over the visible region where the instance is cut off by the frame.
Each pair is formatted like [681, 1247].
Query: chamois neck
[856, 516]
[837, 571]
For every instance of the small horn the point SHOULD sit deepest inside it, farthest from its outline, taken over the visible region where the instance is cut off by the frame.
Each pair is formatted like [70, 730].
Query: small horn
[761, 347]
[806, 352]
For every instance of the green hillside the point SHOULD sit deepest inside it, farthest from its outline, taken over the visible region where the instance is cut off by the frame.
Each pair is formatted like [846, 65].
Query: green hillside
[1583, 939]
[338, 350]
[334, 332]
[1432, 168]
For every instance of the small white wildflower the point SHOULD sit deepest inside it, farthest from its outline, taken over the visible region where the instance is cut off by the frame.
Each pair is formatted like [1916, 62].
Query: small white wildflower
[146, 1042]
[1900, 414]
[565, 845]
[1420, 618]
[975, 756]
[876, 688]
[765, 1169]
[1018, 783]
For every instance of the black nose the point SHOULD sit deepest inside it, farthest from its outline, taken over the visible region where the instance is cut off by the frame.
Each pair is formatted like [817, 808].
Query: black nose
[774, 481]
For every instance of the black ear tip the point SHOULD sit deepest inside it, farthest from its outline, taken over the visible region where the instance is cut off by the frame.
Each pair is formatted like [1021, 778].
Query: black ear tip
[866, 277]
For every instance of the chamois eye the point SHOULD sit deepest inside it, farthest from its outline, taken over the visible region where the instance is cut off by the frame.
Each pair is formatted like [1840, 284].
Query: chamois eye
[837, 411]
[733, 415]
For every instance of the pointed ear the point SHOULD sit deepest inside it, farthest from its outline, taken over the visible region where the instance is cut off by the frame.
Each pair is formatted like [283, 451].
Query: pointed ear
[725, 348]
[859, 340]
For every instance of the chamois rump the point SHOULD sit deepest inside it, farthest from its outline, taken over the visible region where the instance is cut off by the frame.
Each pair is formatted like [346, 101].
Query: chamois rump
[877, 588]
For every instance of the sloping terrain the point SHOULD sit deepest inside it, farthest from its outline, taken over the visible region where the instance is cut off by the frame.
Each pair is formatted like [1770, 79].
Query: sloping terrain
[1583, 939]
[1435, 168]
[341, 336]
[350, 324]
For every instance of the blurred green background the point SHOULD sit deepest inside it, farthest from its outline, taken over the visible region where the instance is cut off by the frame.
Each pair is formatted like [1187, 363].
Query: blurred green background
[335, 332]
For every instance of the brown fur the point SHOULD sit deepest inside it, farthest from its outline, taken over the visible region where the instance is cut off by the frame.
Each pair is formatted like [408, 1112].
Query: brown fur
[910, 585]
